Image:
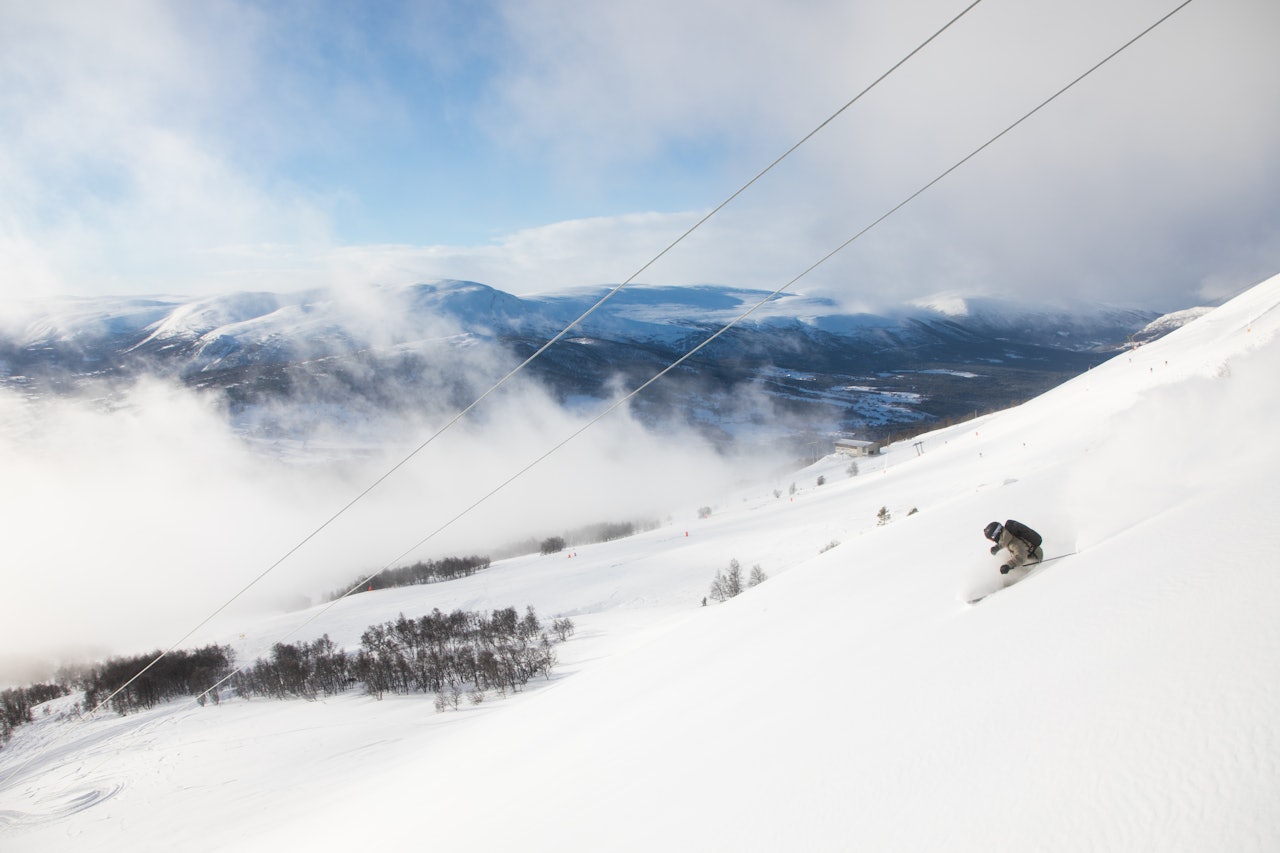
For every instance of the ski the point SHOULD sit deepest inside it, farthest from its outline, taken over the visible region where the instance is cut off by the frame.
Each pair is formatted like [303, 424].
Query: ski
[1035, 569]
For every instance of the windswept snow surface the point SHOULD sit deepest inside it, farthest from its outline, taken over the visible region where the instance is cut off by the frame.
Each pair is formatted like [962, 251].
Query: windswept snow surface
[1124, 698]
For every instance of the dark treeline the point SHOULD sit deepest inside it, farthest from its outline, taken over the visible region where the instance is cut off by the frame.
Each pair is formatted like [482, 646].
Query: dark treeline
[430, 571]
[607, 531]
[604, 531]
[442, 653]
[446, 654]
[449, 568]
[16, 705]
[178, 673]
[309, 670]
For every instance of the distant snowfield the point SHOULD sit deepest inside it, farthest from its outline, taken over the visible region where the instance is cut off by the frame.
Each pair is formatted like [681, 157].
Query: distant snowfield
[1123, 698]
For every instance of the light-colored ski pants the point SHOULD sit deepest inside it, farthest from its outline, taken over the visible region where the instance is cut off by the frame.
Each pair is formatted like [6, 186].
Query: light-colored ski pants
[1020, 552]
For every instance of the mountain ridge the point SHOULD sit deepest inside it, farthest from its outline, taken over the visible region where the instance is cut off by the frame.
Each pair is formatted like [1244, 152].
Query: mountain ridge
[804, 354]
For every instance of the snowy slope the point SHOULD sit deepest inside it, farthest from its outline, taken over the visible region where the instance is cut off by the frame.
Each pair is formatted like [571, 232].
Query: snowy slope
[1124, 698]
[1165, 324]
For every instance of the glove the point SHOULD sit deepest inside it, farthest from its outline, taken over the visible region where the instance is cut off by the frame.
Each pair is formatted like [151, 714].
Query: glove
[1004, 570]
[994, 549]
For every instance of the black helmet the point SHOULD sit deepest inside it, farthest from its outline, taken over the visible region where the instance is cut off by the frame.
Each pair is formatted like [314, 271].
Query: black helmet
[993, 531]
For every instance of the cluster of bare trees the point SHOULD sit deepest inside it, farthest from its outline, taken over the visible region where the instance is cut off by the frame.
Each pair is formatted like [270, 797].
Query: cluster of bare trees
[124, 684]
[455, 652]
[604, 531]
[308, 670]
[728, 585]
[442, 653]
[16, 705]
[428, 571]
[178, 673]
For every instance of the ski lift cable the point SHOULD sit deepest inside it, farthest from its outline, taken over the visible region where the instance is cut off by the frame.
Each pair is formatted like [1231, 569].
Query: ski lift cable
[771, 296]
[724, 329]
[559, 336]
[776, 293]
[729, 325]
[520, 367]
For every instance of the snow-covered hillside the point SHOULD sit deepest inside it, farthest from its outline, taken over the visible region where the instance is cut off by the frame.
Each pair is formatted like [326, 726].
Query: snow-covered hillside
[1122, 698]
[1163, 325]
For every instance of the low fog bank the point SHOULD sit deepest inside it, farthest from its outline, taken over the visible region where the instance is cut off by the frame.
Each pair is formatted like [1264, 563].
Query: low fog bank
[130, 518]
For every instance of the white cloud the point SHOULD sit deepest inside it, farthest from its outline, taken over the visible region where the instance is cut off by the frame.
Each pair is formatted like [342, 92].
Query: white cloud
[150, 147]
[123, 167]
[1124, 187]
[545, 258]
[131, 516]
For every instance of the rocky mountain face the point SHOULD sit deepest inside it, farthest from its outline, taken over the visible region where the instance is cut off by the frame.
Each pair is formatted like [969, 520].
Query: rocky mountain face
[792, 365]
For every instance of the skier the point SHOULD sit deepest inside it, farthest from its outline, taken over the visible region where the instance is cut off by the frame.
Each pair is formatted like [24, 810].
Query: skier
[1022, 542]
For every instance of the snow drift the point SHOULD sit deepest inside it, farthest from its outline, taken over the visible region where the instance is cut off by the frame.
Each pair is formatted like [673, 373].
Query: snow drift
[1123, 698]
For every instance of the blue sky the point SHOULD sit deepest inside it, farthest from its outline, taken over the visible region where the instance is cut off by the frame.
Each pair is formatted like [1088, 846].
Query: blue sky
[165, 147]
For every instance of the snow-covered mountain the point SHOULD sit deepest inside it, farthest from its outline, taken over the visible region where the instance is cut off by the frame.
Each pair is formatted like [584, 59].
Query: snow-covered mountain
[1166, 323]
[396, 347]
[1122, 698]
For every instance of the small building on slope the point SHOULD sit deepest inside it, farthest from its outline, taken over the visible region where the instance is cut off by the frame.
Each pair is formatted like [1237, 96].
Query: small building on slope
[857, 447]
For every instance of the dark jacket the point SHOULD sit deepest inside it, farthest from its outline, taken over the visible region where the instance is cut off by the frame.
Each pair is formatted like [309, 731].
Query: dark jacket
[1022, 543]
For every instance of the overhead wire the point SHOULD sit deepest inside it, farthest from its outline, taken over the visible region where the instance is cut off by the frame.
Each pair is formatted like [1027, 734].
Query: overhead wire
[520, 367]
[731, 323]
[639, 389]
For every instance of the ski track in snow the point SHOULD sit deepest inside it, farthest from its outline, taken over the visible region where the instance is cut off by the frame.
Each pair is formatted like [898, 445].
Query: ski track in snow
[1123, 698]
